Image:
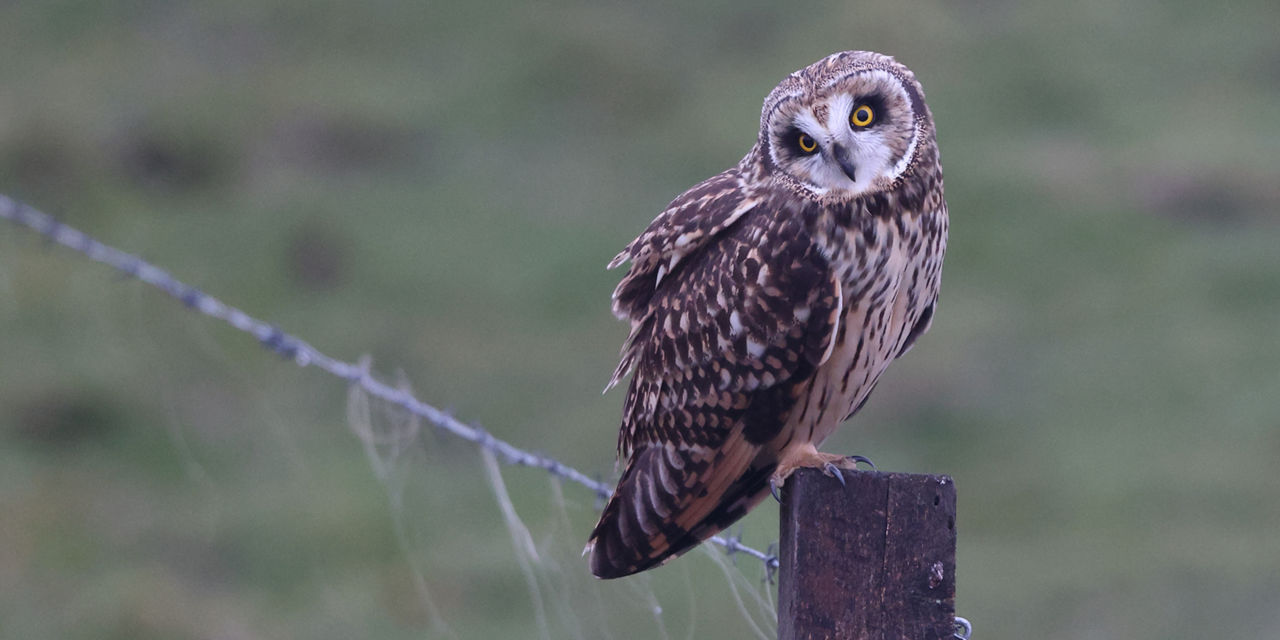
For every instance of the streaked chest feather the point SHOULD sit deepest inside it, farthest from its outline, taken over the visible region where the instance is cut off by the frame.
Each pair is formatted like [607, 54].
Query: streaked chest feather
[889, 271]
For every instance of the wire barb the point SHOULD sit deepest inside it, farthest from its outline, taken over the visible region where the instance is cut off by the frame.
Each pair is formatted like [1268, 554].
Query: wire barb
[304, 355]
[771, 563]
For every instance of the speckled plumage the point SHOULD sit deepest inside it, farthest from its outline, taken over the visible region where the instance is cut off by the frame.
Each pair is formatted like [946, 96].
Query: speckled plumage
[765, 302]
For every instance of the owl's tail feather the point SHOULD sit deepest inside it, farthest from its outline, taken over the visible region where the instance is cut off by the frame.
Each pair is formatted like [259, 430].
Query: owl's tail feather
[669, 500]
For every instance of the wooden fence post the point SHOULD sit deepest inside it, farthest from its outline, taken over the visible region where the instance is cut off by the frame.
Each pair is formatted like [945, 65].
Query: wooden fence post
[872, 560]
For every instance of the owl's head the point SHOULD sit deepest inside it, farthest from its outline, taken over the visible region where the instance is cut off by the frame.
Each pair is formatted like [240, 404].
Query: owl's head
[851, 123]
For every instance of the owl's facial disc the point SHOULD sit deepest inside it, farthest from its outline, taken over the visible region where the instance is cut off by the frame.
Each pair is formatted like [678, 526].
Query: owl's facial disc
[855, 135]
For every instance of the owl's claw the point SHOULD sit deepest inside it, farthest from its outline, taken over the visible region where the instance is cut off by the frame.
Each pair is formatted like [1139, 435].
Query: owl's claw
[863, 459]
[830, 464]
[833, 470]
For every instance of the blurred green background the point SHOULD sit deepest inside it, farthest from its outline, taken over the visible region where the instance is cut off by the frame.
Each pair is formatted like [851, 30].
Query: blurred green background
[440, 185]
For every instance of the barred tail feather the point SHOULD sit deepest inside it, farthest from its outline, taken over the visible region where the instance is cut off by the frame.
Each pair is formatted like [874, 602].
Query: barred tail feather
[669, 500]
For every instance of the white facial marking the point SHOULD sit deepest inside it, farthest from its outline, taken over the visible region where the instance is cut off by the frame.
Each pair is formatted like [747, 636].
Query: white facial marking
[906, 157]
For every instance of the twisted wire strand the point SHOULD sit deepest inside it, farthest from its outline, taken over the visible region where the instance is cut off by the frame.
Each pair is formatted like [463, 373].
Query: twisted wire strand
[304, 355]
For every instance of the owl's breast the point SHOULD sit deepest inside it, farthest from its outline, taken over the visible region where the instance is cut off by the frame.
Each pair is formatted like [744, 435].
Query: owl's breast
[888, 269]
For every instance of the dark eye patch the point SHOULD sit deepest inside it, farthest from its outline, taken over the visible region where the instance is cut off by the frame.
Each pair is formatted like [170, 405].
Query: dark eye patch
[791, 142]
[876, 102]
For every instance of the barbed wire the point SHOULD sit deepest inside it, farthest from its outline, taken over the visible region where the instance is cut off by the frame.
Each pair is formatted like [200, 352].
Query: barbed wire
[357, 373]
[304, 355]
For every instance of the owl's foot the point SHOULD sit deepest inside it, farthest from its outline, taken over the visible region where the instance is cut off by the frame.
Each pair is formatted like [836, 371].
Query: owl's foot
[830, 463]
[831, 469]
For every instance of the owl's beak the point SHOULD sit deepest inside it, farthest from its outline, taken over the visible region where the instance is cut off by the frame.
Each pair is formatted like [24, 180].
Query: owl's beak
[842, 157]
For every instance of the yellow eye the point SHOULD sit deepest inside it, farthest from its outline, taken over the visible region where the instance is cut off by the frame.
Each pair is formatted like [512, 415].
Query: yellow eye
[807, 144]
[863, 115]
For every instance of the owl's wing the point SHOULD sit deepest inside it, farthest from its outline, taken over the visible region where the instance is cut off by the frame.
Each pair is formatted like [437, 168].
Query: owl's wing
[722, 344]
[687, 224]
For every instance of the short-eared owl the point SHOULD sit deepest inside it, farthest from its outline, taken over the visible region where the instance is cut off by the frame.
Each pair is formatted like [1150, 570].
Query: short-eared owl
[766, 301]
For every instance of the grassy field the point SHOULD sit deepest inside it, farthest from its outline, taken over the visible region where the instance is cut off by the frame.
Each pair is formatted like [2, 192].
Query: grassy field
[440, 186]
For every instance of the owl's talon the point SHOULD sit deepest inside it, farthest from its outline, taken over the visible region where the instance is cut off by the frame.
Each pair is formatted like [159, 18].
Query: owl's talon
[863, 459]
[773, 488]
[832, 470]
